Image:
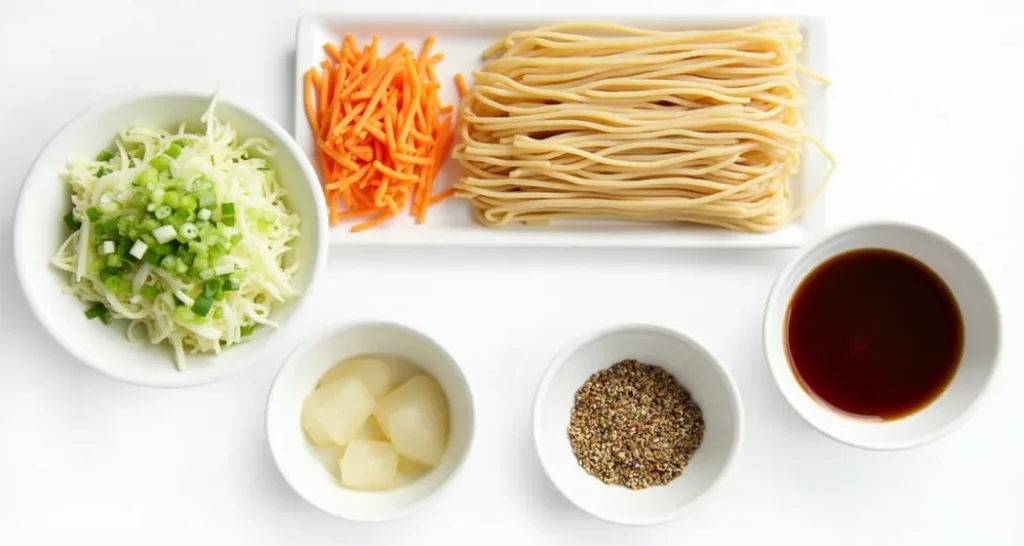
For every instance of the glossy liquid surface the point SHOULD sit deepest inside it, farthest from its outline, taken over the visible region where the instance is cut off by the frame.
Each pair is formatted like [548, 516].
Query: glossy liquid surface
[874, 333]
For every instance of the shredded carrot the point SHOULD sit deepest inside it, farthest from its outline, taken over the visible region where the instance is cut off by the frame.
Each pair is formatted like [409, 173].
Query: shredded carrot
[381, 131]
[460, 84]
[442, 196]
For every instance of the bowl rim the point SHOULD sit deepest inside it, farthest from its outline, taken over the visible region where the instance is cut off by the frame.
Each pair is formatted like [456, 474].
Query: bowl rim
[346, 327]
[781, 371]
[183, 379]
[735, 401]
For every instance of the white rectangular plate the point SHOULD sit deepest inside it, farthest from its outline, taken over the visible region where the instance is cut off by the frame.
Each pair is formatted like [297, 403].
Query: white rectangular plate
[463, 40]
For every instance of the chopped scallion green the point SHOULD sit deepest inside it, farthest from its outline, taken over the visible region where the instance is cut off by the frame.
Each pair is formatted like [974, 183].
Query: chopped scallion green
[156, 196]
[96, 311]
[69, 220]
[202, 185]
[160, 163]
[189, 202]
[182, 215]
[125, 224]
[184, 314]
[146, 177]
[149, 292]
[172, 199]
[206, 199]
[189, 230]
[149, 224]
[202, 305]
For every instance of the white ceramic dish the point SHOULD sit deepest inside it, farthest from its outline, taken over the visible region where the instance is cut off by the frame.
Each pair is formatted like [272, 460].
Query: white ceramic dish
[463, 40]
[298, 377]
[978, 308]
[709, 384]
[39, 231]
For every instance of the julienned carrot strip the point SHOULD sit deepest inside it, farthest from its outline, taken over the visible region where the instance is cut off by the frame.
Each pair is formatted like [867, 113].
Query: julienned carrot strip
[372, 222]
[307, 84]
[382, 133]
[460, 84]
[420, 137]
[332, 51]
[388, 171]
[439, 152]
[348, 215]
[442, 196]
[413, 160]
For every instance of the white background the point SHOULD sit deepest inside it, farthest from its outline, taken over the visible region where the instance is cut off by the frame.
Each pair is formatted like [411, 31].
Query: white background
[925, 116]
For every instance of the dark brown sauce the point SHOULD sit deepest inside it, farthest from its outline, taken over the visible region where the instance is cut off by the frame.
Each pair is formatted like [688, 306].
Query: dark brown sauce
[874, 334]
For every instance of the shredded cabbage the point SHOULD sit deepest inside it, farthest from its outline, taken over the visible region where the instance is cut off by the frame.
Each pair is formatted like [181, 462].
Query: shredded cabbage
[264, 230]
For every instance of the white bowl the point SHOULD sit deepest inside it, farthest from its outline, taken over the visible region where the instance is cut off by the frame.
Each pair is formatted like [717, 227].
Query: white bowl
[978, 309]
[708, 383]
[296, 458]
[39, 231]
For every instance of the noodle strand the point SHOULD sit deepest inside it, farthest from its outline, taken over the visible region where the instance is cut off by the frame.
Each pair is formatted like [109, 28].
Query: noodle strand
[589, 120]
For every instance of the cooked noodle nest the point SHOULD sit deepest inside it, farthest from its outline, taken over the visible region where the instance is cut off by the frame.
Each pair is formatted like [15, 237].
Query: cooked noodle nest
[593, 120]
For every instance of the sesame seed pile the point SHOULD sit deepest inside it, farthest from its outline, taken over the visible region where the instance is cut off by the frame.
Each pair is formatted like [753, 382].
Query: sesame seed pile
[634, 425]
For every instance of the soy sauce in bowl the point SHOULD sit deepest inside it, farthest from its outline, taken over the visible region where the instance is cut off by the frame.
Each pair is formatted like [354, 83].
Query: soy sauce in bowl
[874, 334]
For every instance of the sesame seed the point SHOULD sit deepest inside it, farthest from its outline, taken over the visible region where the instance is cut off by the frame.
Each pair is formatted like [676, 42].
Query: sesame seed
[634, 425]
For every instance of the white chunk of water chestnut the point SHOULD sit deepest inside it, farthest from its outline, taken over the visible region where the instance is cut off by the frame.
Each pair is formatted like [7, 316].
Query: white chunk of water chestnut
[375, 373]
[415, 418]
[369, 465]
[336, 411]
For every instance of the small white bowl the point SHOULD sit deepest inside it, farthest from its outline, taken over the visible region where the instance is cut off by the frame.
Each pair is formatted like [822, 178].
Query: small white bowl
[39, 231]
[294, 455]
[708, 383]
[978, 308]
